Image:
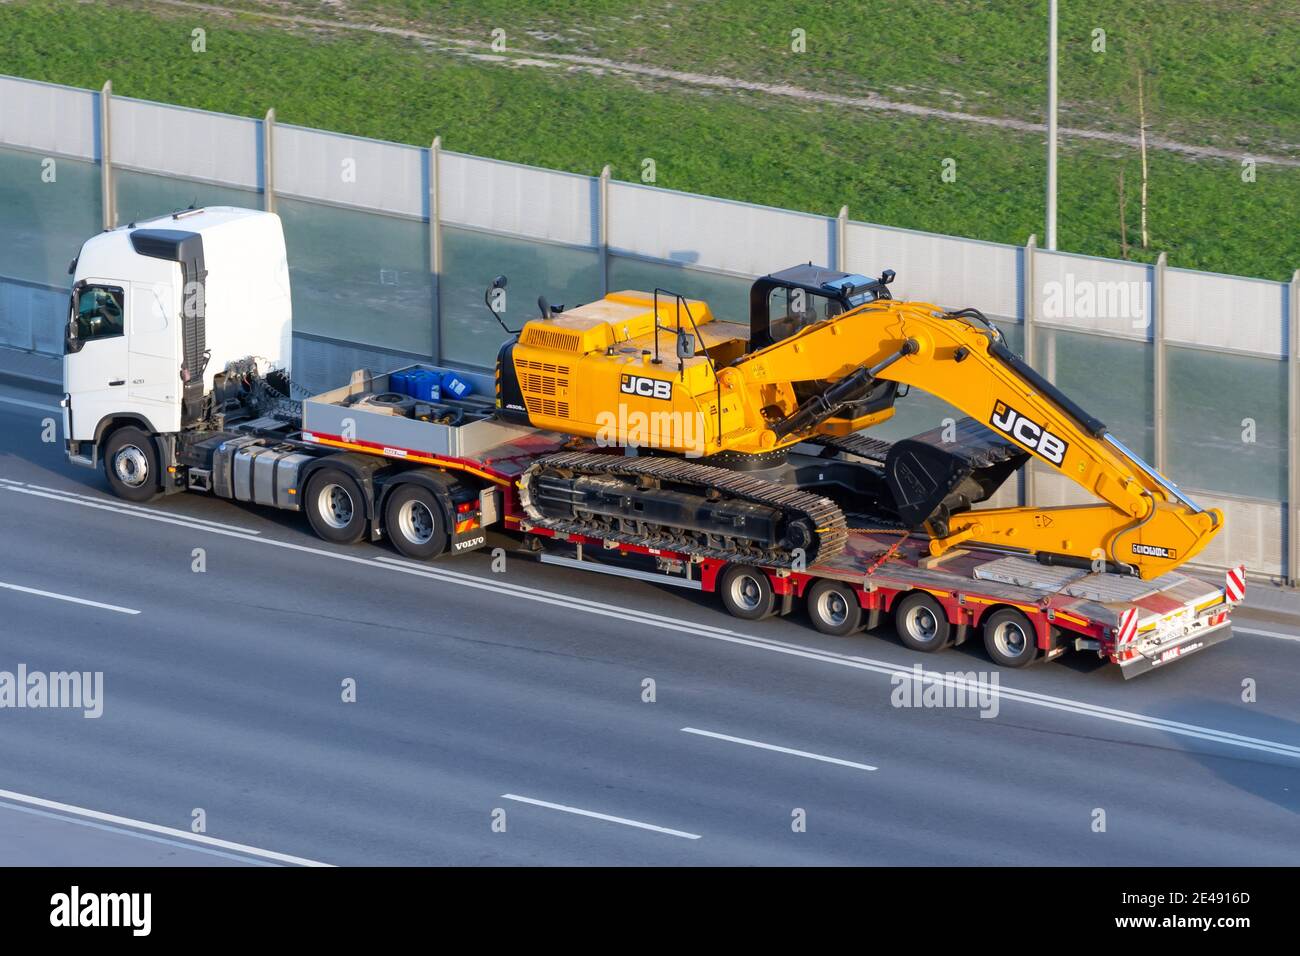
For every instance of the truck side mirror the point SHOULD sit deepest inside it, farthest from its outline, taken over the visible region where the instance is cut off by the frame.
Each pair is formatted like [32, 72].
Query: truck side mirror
[71, 343]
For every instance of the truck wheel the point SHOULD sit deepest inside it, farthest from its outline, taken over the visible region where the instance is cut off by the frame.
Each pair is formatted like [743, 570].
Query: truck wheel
[1010, 639]
[415, 522]
[336, 507]
[834, 609]
[131, 464]
[921, 622]
[747, 593]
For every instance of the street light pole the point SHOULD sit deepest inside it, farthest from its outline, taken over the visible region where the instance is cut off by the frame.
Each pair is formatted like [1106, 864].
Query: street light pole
[1051, 126]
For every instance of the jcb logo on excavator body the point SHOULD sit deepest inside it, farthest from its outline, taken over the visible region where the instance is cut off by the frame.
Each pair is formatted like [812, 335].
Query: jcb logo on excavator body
[1028, 432]
[646, 387]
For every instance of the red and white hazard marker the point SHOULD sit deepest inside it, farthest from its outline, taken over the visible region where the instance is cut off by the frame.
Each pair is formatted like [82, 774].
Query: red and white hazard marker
[1236, 588]
[1128, 627]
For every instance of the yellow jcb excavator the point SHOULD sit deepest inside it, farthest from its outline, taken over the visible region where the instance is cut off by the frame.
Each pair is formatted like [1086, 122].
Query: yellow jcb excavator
[749, 442]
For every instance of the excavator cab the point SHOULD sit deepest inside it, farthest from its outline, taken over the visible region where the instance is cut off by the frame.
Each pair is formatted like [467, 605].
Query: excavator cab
[785, 302]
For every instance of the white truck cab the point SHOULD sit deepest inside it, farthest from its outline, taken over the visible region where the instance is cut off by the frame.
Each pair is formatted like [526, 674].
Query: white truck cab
[158, 308]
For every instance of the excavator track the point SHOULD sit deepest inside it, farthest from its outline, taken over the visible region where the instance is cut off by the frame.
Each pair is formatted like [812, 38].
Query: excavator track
[556, 483]
[863, 446]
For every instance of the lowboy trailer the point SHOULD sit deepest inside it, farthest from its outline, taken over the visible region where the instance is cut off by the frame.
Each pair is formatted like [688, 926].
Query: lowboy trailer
[434, 488]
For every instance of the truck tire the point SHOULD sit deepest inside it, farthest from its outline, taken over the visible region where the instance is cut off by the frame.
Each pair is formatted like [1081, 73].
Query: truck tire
[131, 464]
[746, 593]
[416, 522]
[1010, 639]
[921, 622]
[834, 609]
[336, 507]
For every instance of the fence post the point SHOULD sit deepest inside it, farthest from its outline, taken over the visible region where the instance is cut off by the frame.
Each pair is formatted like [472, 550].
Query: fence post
[1030, 296]
[1293, 434]
[268, 161]
[841, 239]
[1161, 373]
[435, 241]
[107, 188]
[602, 218]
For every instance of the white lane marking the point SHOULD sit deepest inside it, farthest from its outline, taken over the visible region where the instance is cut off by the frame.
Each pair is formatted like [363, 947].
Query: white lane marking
[781, 750]
[67, 597]
[36, 405]
[1277, 634]
[74, 821]
[600, 816]
[73, 499]
[202, 838]
[678, 625]
[138, 509]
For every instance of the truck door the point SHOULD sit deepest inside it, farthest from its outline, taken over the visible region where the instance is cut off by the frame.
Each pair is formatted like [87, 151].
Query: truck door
[95, 356]
[153, 349]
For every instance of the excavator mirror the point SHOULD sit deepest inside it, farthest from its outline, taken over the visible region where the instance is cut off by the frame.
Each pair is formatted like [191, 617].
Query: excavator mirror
[685, 345]
[494, 297]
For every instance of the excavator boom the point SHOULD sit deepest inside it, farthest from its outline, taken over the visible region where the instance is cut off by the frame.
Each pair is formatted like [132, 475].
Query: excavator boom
[1144, 522]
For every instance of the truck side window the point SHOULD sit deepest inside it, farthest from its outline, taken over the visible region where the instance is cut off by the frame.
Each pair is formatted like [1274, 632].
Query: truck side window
[99, 312]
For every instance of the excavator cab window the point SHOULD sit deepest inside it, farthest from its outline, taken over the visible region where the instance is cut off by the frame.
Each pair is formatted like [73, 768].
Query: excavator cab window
[791, 309]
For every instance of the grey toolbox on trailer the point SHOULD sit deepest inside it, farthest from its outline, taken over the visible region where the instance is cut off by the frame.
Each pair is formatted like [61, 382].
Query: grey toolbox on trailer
[335, 414]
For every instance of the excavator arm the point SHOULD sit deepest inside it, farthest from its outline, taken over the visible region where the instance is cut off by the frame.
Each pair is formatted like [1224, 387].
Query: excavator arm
[1142, 521]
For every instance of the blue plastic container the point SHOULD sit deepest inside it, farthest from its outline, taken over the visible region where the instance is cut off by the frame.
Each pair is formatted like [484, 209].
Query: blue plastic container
[424, 385]
[401, 382]
[455, 386]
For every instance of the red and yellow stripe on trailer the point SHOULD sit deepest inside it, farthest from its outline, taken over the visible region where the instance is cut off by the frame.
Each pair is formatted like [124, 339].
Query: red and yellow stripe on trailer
[407, 454]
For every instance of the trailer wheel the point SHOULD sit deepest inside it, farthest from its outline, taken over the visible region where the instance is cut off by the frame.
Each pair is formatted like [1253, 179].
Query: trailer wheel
[834, 609]
[131, 464]
[921, 622]
[335, 507]
[415, 522]
[747, 593]
[1010, 639]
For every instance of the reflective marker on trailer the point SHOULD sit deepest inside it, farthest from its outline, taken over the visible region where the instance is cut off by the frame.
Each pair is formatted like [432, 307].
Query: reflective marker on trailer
[1236, 586]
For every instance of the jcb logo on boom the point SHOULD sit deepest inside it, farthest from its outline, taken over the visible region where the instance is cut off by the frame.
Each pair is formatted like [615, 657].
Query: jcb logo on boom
[646, 387]
[1028, 432]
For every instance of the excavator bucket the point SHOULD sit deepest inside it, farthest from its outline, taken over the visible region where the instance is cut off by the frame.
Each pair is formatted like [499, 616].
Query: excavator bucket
[944, 471]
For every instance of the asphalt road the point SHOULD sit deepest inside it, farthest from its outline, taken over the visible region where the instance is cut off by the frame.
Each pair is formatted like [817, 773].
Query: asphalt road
[501, 719]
